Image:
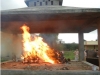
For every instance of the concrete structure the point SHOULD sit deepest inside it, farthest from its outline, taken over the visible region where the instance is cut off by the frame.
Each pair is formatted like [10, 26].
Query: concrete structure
[81, 46]
[11, 46]
[99, 42]
[53, 19]
[91, 45]
[50, 19]
[46, 72]
[32, 3]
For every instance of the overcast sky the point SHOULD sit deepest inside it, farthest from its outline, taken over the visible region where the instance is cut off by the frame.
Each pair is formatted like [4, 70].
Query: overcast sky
[13, 4]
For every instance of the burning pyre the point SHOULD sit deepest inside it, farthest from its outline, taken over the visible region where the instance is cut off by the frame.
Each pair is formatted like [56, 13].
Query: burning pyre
[36, 50]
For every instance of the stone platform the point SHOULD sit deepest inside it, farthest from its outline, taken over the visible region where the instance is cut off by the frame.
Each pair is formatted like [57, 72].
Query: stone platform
[74, 68]
[60, 72]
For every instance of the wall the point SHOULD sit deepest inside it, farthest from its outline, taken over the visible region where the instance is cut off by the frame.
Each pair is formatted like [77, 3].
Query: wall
[90, 42]
[91, 45]
[10, 45]
[43, 2]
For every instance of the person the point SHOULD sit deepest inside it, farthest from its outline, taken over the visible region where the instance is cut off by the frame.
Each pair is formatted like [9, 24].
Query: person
[85, 55]
[97, 54]
[62, 52]
[76, 52]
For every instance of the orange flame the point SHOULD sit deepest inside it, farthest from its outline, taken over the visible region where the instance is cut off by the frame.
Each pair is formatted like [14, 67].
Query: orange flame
[35, 46]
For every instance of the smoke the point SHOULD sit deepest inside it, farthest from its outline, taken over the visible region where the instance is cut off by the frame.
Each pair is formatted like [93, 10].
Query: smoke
[50, 39]
[10, 45]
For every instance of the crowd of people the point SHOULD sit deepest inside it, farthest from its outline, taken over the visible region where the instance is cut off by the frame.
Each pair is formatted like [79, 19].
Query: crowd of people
[76, 54]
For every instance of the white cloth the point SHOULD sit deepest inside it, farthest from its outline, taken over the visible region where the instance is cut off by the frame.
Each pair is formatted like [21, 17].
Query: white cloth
[76, 55]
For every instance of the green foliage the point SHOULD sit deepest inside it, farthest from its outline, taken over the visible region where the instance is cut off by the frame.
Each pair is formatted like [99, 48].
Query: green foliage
[69, 46]
[61, 47]
[69, 54]
[72, 46]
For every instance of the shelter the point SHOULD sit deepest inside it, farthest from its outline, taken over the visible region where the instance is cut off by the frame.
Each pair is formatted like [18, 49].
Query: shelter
[54, 19]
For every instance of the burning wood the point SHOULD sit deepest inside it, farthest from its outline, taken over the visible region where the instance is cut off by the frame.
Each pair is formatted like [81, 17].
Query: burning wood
[35, 49]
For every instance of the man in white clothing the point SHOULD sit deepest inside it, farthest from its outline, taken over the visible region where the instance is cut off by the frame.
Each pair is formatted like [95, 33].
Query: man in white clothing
[76, 52]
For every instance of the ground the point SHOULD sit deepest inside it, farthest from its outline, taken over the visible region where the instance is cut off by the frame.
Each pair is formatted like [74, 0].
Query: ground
[73, 65]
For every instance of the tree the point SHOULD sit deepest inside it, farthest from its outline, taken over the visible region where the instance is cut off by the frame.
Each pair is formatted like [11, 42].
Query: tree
[70, 46]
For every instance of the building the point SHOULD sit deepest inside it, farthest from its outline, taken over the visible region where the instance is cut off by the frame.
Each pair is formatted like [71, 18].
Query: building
[32, 3]
[54, 19]
[91, 45]
[11, 44]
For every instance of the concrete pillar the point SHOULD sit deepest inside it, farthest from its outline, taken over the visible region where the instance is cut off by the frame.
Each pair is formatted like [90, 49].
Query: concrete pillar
[31, 4]
[81, 46]
[43, 3]
[56, 2]
[99, 43]
[49, 2]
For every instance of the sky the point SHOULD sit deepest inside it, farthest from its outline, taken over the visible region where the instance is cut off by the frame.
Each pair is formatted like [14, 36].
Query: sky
[66, 37]
[73, 37]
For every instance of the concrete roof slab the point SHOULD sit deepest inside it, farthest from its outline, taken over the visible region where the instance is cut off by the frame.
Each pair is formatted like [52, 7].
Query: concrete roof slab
[51, 19]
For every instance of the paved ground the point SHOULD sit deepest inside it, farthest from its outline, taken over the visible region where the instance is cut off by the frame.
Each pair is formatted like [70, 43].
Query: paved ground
[73, 65]
[60, 72]
[75, 68]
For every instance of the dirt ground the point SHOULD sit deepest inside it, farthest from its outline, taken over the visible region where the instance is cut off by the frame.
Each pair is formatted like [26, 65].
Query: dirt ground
[73, 65]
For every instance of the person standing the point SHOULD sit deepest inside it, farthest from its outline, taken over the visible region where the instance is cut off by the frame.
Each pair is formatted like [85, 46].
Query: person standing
[85, 55]
[76, 53]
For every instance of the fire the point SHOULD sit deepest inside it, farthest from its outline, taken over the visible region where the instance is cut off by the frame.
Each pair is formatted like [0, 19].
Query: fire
[35, 47]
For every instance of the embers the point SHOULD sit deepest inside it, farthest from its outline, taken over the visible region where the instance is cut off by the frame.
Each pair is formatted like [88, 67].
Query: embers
[29, 59]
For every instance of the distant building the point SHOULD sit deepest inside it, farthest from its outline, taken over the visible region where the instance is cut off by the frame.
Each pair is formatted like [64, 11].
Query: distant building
[91, 45]
[88, 45]
[31, 3]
